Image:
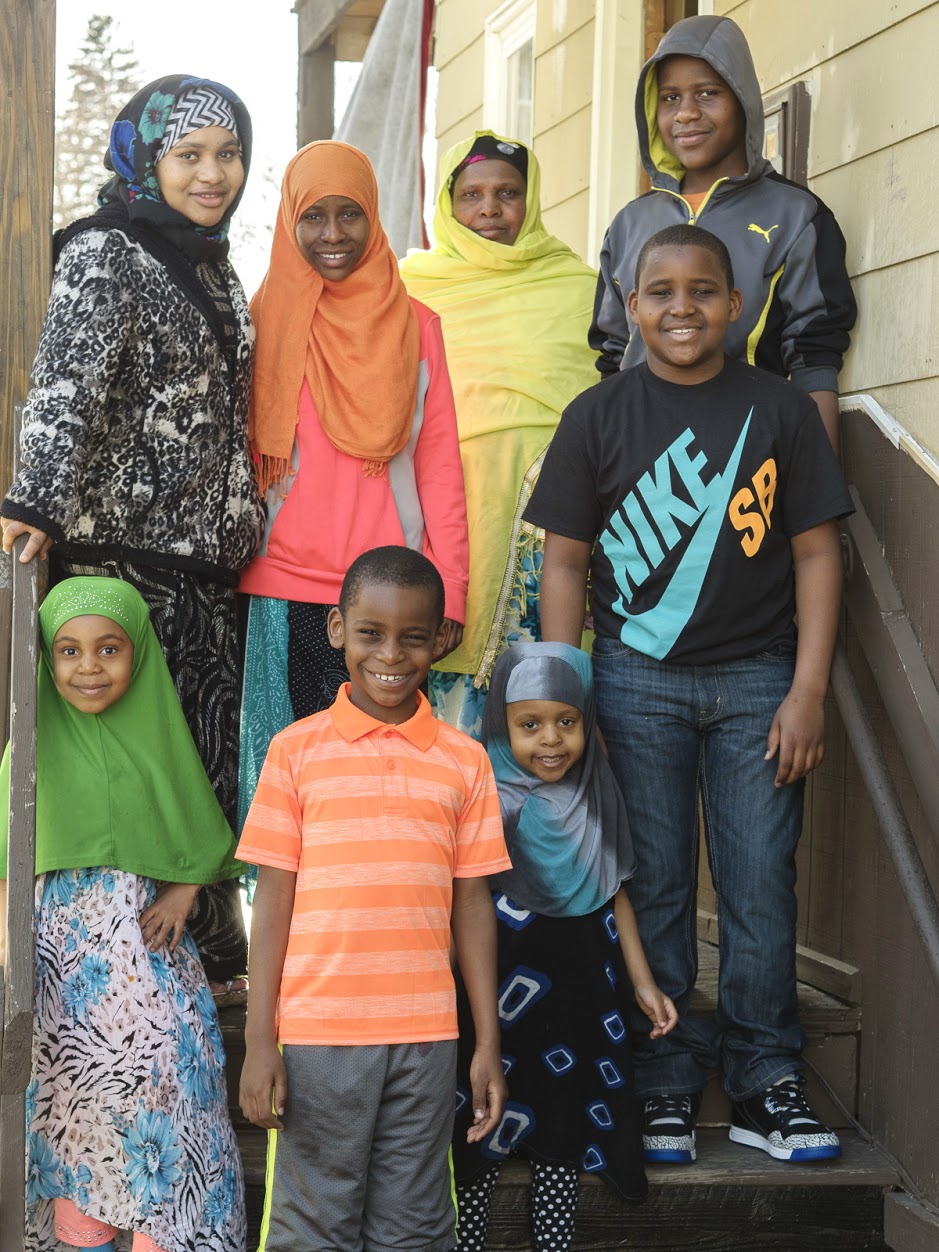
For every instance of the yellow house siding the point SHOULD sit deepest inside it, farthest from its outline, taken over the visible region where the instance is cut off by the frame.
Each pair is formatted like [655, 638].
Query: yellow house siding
[905, 180]
[874, 158]
[559, 19]
[460, 92]
[876, 94]
[789, 40]
[457, 24]
[897, 337]
[564, 39]
[466, 126]
[563, 76]
[564, 153]
[568, 220]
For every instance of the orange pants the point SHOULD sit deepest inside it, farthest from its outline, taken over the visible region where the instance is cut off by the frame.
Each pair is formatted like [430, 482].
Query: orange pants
[79, 1231]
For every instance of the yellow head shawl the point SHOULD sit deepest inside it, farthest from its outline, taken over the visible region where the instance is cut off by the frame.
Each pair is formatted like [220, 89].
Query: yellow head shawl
[515, 323]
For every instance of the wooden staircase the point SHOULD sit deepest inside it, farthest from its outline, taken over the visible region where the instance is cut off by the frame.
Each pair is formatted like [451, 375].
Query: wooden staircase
[733, 1199]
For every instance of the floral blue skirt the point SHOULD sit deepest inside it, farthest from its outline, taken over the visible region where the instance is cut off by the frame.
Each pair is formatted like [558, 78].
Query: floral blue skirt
[126, 1110]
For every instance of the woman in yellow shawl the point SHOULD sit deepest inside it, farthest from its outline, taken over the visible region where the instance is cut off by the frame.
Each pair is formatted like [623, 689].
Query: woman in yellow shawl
[515, 304]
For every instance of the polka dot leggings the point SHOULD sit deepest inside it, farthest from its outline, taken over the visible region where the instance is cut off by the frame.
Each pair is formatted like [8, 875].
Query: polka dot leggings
[553, 1207]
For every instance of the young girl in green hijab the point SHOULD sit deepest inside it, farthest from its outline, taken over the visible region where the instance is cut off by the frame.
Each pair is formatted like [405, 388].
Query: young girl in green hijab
[127, 1118]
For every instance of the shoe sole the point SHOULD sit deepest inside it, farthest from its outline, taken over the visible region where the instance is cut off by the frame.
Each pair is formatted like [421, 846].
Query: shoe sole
[753, 1139]
[669, 1156]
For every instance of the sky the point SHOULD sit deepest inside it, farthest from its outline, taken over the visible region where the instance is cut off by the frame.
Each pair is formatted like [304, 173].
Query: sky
[251, 46]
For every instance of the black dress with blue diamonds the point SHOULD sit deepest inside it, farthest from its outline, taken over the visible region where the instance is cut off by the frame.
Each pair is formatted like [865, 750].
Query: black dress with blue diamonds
[563, 1010]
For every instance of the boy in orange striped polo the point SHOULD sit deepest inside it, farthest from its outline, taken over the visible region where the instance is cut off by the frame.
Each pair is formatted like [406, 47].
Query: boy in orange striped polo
[375, 828]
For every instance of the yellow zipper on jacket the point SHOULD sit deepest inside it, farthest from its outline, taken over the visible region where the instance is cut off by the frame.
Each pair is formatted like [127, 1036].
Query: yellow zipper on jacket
[693, 216]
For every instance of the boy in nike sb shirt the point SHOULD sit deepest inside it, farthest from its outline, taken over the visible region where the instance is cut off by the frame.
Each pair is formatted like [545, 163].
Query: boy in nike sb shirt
[699, 494]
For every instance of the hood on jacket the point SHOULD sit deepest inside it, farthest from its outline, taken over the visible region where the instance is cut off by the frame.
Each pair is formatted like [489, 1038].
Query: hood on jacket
[720, 42]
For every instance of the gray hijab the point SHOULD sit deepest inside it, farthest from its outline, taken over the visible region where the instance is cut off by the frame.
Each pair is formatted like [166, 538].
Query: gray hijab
[569, 840]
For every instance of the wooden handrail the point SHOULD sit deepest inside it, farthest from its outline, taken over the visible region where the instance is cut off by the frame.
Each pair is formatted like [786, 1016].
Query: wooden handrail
[21, 867]
[17, 988]
[898, 838]
[911, 701]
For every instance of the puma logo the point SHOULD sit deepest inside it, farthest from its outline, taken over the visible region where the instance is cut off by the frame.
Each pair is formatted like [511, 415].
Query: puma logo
[760, 231]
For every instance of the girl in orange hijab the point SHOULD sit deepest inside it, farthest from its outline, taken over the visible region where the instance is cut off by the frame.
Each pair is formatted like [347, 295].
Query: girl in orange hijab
[353, 433]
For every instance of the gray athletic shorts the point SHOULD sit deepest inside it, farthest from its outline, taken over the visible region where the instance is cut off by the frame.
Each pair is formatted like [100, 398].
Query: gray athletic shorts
[363, 1161]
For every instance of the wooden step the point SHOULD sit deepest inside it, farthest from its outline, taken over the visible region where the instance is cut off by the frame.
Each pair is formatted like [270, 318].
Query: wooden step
[732, 1199]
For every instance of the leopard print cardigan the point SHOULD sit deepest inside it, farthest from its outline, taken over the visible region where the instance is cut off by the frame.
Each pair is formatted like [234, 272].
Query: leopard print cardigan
[134, 436]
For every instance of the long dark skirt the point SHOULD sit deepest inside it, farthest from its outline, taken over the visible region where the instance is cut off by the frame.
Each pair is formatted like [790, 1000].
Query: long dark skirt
[563, 1011]
[194, 620]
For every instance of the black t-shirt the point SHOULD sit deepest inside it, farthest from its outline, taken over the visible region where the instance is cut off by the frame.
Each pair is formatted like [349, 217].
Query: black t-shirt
[690, 495]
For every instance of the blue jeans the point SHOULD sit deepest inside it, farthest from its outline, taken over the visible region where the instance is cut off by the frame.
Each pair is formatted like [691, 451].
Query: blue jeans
[674, 733]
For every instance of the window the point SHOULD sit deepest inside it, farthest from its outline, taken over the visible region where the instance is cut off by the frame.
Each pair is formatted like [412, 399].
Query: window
[510, 70]
[786, 136]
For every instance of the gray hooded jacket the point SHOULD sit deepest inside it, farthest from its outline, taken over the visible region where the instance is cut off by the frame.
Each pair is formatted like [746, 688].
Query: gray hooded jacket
[787, 251]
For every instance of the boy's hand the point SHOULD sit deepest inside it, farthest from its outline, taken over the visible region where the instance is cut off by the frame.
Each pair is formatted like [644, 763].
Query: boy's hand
[659, 1009]
[490, 1092]
[165, 920]
[263, 1076]
[798, 734]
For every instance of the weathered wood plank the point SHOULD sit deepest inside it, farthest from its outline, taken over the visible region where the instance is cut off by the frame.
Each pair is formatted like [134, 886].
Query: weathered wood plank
[16, 1037]
[317, 19]
[820, 1014]
[27, 61]
[27, 54]
[732, 1200]
[908, 1225]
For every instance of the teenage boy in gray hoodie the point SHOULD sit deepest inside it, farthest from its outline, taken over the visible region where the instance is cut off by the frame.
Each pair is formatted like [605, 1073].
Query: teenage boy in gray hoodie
[700, 117]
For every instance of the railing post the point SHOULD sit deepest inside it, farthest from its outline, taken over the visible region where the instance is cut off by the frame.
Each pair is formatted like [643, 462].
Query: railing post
[17, 990]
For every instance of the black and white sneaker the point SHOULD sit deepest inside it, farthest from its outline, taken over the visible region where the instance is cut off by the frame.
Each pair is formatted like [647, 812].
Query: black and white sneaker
[668, 1127]
[780, 1121]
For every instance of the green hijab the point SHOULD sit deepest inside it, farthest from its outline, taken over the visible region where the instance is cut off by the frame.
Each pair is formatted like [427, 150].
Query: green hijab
[123, 788]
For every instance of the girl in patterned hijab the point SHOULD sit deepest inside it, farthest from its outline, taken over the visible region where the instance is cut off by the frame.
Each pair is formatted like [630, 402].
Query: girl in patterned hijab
[568, 951]
[143, 138]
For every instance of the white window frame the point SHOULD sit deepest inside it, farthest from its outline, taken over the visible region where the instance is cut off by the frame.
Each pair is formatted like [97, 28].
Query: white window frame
[507, 30]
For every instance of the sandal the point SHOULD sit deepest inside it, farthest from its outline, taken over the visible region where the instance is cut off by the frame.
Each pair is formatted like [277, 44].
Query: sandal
[226, 994]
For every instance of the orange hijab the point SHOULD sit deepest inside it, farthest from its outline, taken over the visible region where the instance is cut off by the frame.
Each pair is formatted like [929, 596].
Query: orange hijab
[356, 341]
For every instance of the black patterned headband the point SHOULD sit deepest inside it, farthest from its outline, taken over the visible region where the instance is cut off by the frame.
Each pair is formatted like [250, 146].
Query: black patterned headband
[492, 148]
[194, 110]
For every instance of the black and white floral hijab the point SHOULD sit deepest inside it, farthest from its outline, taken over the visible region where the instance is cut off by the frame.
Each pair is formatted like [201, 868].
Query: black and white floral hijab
[151, 123]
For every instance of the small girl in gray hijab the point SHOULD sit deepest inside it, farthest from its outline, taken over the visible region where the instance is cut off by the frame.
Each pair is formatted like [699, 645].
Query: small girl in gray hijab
[568, 951]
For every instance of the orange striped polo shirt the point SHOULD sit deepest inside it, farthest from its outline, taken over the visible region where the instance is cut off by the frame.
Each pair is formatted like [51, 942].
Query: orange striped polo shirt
[376, 821]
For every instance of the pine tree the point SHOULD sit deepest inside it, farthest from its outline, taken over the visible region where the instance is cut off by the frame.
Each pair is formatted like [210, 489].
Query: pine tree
[103, 78]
